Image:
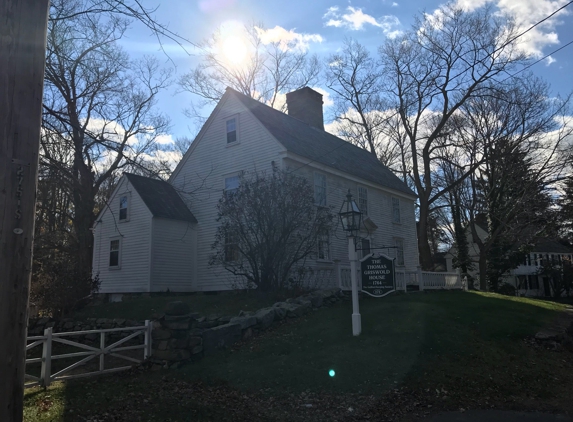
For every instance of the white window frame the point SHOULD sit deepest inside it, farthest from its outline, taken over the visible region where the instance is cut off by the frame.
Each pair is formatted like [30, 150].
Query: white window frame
[396, 201]
[399, 243]
[119, 253]
[323, 239]
[363, 199]
[227, 120]
[227, 190]
[322, 186]
[228, 245]
[127, 213]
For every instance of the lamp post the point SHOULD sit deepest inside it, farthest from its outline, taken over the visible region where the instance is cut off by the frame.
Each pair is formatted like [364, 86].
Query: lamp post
[351, 217]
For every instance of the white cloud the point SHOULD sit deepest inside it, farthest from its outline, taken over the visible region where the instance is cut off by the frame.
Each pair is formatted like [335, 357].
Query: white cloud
[549, 61]
[394, 4]
[287, 39]
[355, 19]
[165, 140]
[526, 13]
[326, 100]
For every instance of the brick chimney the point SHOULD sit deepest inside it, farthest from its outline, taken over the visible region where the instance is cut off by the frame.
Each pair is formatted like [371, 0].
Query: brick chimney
[306, 104]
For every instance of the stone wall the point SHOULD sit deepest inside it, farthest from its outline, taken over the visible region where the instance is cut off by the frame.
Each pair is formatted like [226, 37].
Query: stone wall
[180, 335]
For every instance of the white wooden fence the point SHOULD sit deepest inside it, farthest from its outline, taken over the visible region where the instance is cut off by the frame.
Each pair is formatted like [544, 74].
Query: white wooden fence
[424, 279]
[46, 377]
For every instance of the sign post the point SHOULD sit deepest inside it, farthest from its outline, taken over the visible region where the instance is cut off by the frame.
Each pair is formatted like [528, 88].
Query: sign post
[378, 275]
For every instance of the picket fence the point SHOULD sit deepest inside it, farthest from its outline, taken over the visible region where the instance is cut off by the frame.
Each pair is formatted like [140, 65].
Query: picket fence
[425, 280]
[87, 354]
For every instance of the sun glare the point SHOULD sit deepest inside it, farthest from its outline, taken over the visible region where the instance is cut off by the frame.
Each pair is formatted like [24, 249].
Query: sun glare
[234, 50]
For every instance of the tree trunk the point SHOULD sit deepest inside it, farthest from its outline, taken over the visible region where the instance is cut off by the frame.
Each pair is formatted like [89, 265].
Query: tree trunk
[423, 245]
[22, 59]
[483, 271]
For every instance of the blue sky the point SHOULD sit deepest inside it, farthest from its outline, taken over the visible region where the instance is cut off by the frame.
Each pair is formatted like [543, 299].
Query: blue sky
[322, 26]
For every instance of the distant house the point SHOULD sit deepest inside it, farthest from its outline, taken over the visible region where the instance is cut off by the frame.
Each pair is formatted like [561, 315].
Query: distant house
[157, 235]
[526, 278]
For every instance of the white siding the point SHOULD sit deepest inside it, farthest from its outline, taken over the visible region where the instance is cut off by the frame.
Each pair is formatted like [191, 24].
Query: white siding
[173, 255]
[379, 211]
[203, 172]
[133, 274]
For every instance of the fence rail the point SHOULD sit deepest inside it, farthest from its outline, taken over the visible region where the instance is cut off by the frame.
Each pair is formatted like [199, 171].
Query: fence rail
[423, 279]
[87, 354]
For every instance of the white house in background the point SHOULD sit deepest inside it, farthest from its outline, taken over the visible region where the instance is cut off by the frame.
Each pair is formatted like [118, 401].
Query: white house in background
[525, 278]
[146, 242]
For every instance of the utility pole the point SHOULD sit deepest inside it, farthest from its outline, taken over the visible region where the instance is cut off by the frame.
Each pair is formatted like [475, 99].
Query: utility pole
[23, 25]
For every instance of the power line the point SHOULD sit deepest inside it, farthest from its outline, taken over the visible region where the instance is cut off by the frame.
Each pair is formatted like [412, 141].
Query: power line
[540, 60]
[469, 67]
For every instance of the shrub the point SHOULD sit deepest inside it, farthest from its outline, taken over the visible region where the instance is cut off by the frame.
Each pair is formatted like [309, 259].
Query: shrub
[506, 289]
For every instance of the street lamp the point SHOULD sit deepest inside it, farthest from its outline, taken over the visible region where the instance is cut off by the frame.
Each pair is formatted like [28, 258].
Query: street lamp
[351, 218]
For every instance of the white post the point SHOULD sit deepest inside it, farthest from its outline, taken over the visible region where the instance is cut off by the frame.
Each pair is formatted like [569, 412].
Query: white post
[46, 371]
[147, 339]
[102, 349]
[356, 320]
[420, 280]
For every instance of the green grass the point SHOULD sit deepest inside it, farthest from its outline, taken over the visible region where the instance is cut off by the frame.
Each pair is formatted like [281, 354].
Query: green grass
[469, 344]
[144, 307]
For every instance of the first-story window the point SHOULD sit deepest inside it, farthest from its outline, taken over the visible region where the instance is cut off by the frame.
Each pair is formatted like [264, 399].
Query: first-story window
[399, 243]
[231, 247]
[323, 245]
[533, 282]
[123, 207]
[114, 250]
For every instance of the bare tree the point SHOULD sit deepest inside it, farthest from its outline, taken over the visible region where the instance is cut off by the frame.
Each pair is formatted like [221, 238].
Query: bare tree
[519, 134]
[268, 226]
[431, 71]
[268, 69]
[98, 111]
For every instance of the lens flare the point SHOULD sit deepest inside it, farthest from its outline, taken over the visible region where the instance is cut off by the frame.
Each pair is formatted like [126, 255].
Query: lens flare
[331, 373]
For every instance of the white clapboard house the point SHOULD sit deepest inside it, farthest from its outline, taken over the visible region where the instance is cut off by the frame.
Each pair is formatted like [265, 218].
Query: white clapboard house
[156, 236]
[526, 277]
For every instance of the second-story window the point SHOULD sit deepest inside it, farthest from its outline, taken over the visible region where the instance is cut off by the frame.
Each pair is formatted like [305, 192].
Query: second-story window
[123, 202]
[320, 189]
[396, 210]
[231, 184]
[363, 199]
[231, 130]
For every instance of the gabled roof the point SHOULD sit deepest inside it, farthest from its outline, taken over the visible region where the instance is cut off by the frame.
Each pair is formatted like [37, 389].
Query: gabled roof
[322, 147]
[161, 198]
[551, 246]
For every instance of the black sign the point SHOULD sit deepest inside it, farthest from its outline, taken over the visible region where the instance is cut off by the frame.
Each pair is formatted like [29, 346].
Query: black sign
[378, 276]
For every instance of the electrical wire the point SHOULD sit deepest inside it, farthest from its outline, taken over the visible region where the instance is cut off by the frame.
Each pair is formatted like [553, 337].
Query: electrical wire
[496, 50]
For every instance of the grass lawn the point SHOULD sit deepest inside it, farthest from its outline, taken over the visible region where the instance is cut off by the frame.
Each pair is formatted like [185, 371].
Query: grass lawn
[442, 350]
[143, 307]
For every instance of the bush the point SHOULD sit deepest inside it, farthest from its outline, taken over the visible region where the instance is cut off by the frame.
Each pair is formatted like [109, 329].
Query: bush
[60, 287]
[506, 289]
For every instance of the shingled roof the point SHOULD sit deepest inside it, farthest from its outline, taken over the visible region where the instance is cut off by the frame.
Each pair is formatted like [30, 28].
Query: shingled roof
[161, 198]
[322, 147]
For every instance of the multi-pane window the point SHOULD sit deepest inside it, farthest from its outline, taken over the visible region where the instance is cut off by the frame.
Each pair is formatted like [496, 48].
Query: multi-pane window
[123, 208]
[231, 184]
[231, 247]
[114, 253]
[320, 189]
[323, 245]
[399, 243]
[231, 131]
[396, 210]
[363, 200]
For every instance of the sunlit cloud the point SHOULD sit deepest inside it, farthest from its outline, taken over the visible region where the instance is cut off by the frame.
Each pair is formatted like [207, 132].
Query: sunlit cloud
[355, 19]
[526, 13]
[287, 39]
